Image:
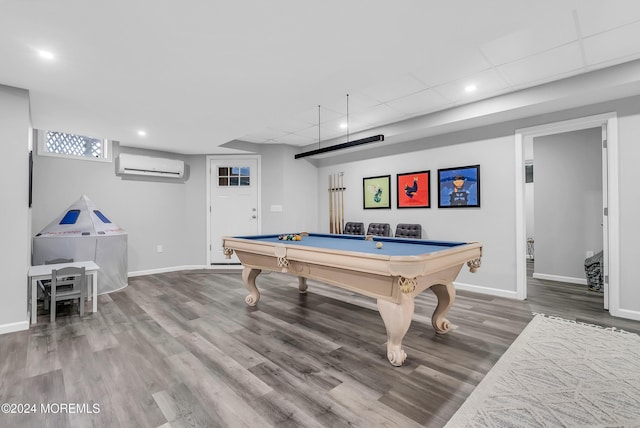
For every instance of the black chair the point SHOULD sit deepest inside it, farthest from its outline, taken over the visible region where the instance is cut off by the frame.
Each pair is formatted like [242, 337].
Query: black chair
[408, 230]
[351, 228]
[379, 229]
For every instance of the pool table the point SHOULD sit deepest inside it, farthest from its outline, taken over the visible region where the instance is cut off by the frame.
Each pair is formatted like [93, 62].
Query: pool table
[393, 274]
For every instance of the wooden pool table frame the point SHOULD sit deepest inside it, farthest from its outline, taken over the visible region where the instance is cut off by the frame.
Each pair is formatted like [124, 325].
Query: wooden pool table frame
[393, 280]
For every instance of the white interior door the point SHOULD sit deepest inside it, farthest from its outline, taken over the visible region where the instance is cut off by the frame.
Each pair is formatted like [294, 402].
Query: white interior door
[234, 202]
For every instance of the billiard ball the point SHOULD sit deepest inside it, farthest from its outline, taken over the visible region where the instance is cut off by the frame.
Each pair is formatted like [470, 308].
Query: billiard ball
[378, 244]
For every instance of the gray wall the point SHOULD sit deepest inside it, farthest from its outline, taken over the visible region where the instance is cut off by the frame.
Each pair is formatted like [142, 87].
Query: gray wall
[568, 202]
[493, 223]
[291, 184]
[493, 147]
[154, 211]
[167, 212]
[14, 212]
[174, 214]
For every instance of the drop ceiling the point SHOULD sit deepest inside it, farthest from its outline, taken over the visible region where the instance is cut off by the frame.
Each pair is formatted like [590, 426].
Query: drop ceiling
[197, 75]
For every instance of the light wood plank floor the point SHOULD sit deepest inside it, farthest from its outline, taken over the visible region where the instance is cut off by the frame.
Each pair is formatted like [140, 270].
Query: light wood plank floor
[182, 349]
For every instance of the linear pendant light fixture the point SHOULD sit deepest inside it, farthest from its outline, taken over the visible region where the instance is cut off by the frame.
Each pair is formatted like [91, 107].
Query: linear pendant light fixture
[347, 145]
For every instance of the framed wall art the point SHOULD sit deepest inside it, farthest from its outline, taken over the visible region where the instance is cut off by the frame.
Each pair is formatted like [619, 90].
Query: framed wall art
[376, 192]
[459, 187]
[412, 189]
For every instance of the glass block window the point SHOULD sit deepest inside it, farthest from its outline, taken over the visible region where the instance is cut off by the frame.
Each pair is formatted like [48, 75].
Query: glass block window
[234, 176]
[62, 144]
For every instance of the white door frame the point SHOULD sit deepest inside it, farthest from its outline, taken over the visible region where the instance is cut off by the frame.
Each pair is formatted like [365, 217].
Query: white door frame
[613, 219]
[208, 208]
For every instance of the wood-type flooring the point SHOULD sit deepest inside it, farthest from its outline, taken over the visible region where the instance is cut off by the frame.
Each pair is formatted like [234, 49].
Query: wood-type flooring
[182, 349]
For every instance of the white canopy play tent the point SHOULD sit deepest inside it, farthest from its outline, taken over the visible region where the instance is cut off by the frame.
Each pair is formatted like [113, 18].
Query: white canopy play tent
[83, 232]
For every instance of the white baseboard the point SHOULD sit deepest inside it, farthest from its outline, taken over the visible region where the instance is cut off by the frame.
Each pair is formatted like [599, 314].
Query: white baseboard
[14, 326]
[165, 270]
[559, 278]
[509, 294]
[627, 313]
[228, 267]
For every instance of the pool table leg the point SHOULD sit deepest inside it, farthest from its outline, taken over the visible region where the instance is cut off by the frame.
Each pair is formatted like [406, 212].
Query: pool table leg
[446, 294]
[249, 278]
[397, 318]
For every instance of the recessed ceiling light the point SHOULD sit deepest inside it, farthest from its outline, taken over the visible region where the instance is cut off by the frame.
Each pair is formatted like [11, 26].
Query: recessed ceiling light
[470, 88]
[45, 54]
[343, 126]
[142, 133]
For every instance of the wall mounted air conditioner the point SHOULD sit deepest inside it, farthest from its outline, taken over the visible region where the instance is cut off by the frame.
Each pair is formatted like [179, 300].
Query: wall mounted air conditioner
[129, 164]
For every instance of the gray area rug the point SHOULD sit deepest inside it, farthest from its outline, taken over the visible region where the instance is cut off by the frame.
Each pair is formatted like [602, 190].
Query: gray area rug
[559, 373]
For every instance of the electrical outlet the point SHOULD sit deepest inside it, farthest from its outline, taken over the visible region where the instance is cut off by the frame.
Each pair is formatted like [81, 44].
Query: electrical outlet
[159, 249]
[589, 254]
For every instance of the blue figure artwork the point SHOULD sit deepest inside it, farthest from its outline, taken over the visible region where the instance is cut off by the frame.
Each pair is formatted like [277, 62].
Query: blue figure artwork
[459, 187]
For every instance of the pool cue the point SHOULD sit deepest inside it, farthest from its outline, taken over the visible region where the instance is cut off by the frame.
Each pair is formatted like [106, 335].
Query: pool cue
[330, 204]
[335, 204]
[342, 202]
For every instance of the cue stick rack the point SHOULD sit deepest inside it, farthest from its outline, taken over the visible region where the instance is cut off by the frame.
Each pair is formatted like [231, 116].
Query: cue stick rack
[336, 203]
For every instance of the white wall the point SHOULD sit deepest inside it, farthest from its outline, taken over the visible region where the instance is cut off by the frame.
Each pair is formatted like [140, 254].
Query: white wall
[14, 211]
[568, 203]
[493, 223]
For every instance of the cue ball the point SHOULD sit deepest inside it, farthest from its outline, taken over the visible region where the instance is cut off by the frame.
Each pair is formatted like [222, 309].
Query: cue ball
[378, 244]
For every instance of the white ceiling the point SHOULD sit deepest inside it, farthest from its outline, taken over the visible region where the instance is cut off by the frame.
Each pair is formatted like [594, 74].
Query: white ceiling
[197, 74]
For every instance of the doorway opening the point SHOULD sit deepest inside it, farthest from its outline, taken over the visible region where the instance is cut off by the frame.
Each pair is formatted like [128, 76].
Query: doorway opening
[607, 123]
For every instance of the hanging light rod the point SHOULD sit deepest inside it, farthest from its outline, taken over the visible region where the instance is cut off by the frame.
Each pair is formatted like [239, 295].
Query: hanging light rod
[346, 145]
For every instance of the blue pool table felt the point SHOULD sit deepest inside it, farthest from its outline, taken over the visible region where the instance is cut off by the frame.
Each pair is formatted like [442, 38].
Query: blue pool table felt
[357, 243]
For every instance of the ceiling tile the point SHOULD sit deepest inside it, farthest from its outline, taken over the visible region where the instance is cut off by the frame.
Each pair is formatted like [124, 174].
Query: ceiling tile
[291, 125]
[258, 139]
[310, 116]
[310, 132]
[619, 43]
[379, 115]
[488, 83]
[389, 90]
[294, 140]
[420, 103]
[597, 17]
[339, 126]
[543, 66]
[451, 65]
[264, 134]
[555, 31]
[358, 102]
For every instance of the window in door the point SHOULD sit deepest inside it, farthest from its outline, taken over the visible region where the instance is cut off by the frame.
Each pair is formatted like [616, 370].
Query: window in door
[230, 176]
